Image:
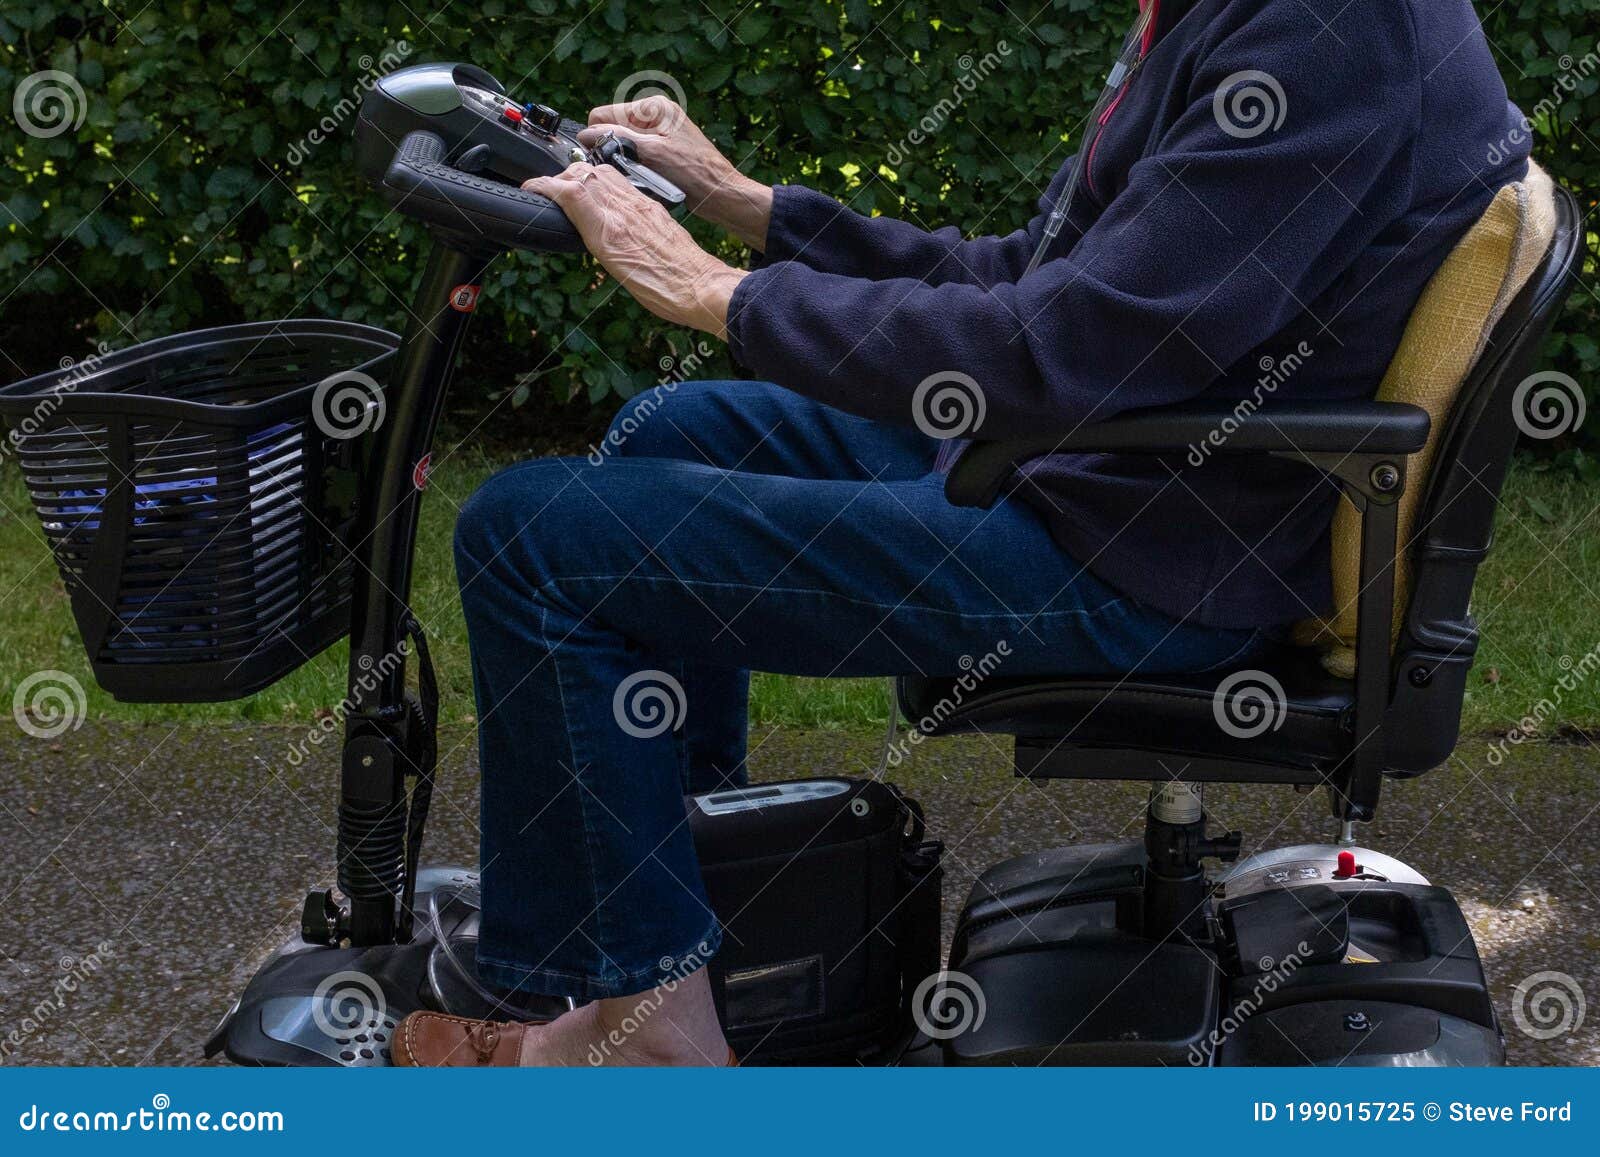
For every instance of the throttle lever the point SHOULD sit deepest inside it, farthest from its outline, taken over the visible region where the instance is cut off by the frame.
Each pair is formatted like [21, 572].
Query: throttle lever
[620, 153]
[474, 160]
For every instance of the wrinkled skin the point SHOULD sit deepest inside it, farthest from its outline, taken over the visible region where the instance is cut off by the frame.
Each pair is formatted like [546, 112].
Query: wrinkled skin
[639, 244]
[673, 145]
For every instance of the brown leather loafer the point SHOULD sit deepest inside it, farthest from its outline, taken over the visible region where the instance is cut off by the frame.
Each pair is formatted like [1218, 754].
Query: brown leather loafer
[435, 1039]
[438, 1040]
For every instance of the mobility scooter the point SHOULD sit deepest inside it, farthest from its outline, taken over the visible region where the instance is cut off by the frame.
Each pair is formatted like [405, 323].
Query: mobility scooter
[223, 505]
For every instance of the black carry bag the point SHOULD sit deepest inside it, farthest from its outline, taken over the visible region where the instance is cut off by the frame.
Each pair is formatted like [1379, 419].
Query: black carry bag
[829, 899]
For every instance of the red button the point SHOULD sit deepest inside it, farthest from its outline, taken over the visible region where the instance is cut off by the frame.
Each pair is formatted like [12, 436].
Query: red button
[514, 115]
[1347, 866]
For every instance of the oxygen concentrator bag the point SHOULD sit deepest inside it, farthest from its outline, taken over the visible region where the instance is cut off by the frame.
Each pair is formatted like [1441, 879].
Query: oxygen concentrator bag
[829, 901]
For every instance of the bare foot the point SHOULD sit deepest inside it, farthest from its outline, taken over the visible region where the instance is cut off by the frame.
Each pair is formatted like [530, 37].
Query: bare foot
[675, 1024]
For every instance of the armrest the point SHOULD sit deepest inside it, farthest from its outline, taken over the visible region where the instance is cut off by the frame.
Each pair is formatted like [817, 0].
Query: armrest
[1290, 429]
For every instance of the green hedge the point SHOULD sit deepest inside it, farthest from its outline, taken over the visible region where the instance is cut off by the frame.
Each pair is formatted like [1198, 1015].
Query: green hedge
[210, 179]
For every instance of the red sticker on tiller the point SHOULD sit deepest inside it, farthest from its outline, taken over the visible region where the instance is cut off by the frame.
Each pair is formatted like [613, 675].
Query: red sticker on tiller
[419, 473]
[464, 298]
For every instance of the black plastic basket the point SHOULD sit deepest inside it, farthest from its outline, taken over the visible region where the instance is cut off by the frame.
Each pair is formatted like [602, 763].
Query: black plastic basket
[200, 493]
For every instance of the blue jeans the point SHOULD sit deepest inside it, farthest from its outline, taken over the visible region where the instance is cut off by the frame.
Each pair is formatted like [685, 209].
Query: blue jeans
[616, 605]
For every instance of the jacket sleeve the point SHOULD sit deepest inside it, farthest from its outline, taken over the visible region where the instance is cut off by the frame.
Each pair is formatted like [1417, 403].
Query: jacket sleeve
[821, 233]
[1217, 240]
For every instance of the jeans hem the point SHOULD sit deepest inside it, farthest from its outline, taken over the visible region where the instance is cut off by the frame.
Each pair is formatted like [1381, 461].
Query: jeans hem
[612, 982]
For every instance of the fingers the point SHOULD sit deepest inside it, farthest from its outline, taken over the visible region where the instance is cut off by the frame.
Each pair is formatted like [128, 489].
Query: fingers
[608, 114]
[566, 186]
[577, 173]
[651, 114]
[581, 185]
[612, 178]
[590, 137]
[575, 176]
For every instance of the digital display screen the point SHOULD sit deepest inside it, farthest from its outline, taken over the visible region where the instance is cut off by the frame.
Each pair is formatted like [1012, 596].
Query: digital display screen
[741, 796]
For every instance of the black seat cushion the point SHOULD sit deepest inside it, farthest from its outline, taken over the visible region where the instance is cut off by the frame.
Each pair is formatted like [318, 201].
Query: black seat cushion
[1281, 709]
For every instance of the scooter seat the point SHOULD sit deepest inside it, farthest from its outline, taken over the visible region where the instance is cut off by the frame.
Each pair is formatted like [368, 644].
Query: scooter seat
[1282, 709]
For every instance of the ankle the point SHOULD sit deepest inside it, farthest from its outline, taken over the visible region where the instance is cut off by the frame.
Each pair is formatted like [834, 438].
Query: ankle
[674, 1024]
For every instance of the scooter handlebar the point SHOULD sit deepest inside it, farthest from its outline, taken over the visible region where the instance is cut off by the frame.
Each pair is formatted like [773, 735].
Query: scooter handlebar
[474, 207]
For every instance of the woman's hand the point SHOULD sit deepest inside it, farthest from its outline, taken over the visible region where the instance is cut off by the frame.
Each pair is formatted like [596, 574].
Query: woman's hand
[640, 245]
[673, 145]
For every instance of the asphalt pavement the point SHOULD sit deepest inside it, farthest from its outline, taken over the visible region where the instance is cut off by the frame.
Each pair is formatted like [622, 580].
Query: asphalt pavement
[147, 869]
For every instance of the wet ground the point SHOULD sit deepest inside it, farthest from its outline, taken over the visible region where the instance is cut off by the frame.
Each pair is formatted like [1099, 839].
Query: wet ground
[146, 869]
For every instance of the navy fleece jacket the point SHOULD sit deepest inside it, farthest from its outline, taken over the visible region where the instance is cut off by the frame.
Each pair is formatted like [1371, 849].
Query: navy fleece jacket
[1210, 254]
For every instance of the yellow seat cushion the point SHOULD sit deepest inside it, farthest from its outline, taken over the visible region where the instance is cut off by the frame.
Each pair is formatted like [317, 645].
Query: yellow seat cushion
[1445, 337]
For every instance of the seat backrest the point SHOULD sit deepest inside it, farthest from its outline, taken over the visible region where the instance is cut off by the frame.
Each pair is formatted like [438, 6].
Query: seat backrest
[1457, 497]
[1451, 330]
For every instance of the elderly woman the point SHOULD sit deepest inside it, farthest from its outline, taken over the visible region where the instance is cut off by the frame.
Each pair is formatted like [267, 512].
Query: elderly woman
[1272, 185]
